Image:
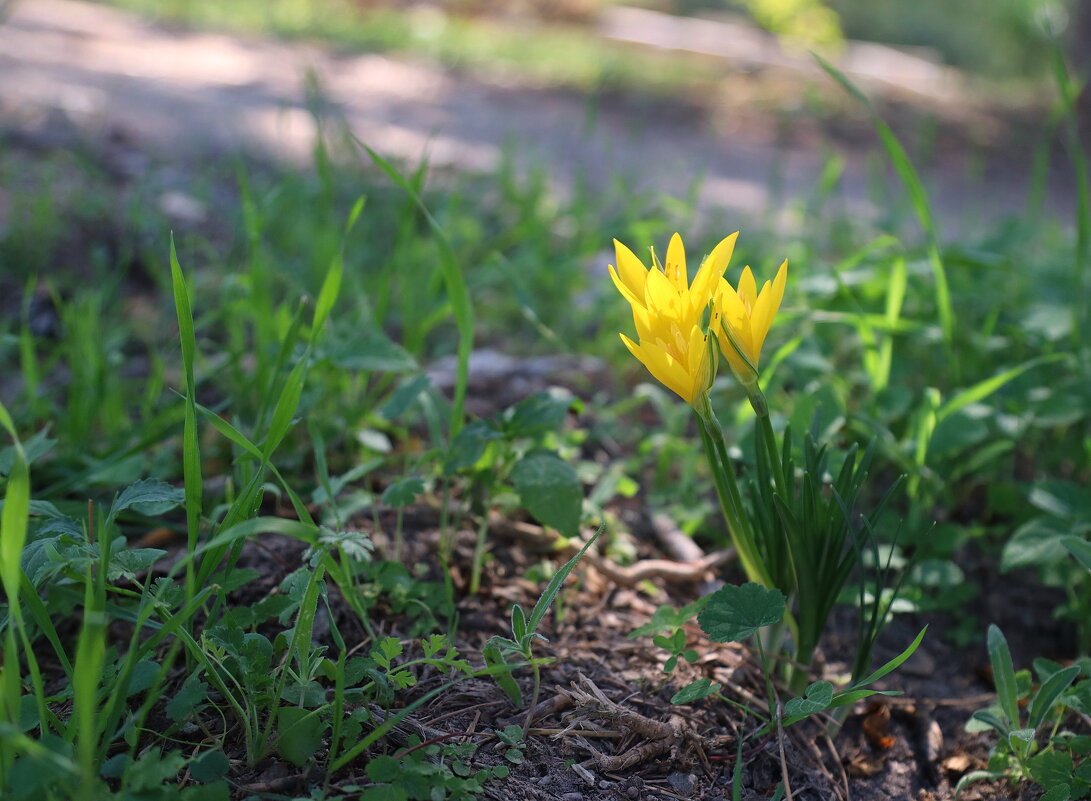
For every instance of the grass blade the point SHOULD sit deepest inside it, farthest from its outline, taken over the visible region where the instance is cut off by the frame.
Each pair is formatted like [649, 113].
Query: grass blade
[983, 389]
[896, 662]
[1082, 263]
[457, 292]
[918, 197]
[554, 585]
[191, 452]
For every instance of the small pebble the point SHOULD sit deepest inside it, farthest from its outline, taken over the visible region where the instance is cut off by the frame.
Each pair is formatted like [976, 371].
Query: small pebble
[572, 797]
[683, 783]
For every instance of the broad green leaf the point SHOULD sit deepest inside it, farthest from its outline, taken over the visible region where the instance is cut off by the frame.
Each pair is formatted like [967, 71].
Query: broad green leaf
[695, 691]
[1079, 548]
[1062, 499]
[537, 414]
[131, 562]
[192, 692]
[149, 497]
[384, 769]
[210, 766]
[370, 350]
[1037, 542]
[1020, 741]
[403, 397]
[299, 734]
[1058, 792]
[550, 490]
[734, 613]
[468, 446]
[403, 493]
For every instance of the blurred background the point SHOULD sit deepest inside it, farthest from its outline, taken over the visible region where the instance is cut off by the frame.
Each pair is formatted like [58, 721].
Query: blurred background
[668, 93]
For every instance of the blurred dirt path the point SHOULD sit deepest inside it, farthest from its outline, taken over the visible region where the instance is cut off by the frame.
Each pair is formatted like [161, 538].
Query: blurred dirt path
[185, 92]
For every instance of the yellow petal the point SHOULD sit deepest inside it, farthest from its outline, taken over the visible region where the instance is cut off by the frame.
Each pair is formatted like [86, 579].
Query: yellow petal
[675, 268]
[698, 367]
[626, 292]
[767, 307]
[660, 296]
[631, 269]
[747, 288]
[647, 324]
[662, 366]
[735, 314]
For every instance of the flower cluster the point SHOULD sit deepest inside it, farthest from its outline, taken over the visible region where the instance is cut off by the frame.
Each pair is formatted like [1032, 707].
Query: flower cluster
[674, 318]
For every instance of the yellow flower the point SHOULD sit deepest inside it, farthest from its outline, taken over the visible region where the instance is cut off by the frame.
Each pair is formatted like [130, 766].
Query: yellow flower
[746, 316]
[669, 313]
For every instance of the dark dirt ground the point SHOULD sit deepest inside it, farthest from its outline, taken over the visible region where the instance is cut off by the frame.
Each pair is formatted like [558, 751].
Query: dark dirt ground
[605, 729]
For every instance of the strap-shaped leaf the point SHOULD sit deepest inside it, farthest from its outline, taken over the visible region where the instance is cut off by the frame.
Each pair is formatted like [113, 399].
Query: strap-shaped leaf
[1003, 674]
[555, 583]
[1048, 694]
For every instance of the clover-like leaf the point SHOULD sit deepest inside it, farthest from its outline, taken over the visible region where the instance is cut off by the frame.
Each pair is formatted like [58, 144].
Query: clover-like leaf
[402, 493]
[734, 613]
[818, 697]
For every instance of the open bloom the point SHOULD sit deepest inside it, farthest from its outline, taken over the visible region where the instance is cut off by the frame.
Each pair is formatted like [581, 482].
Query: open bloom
[671, 314]
[746, 315]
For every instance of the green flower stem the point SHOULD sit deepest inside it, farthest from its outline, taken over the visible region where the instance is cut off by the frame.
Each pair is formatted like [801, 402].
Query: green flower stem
[765, 427]
[727, 489]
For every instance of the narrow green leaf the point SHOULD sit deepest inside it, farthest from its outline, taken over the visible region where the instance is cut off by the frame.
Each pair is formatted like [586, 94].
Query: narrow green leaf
[1048, 694]
[918, 198]
[286, 407]
[191, 453]
[983, 389]
[518, 623]
[896, 662]
[1003, 674]
[15, 514]
[458, 294]
[555, 584]
[986, 716]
